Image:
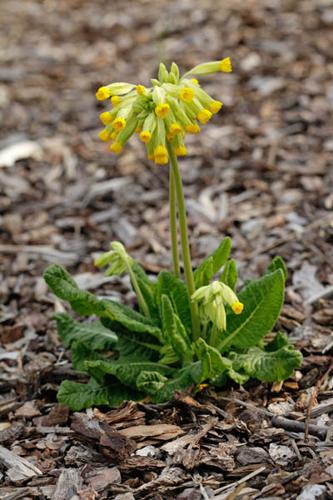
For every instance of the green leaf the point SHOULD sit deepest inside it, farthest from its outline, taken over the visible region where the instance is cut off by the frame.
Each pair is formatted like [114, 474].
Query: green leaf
[174, 332]
[93, 335]
[126, 372]
[229, 275]
[169, 357]
[86, 303]
[64, 287]
[131, 348]
[212, 264]
[80, 396]
[212, 363]
[280, 340]
[150, 382]
[214, 367]
[81, 353]
[131, 320]
[278, 263]
[181, 381]
[262, 301]
[268, 366]
[175, 289]
[86, 340]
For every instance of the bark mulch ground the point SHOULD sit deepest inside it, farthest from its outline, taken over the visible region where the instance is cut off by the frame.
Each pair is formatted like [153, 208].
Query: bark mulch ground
[261, 172]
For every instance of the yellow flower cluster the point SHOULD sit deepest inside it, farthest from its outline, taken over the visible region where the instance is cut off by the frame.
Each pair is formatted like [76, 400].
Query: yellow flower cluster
[161, 115]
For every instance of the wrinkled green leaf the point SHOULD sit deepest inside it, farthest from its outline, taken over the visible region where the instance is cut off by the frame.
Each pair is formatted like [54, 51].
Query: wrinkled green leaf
[85, 303]
[150, 382]
[212, 363]
[126, 372]
[131, 348]
[64, 287]
[92, 335]
[262, 301]
[212, 264]
[229, 275]
[268, 366]
[132, 320]
[169, 357]
[174, 332]
[80, 396]
[80, 354]
[175, 289]
[280, 340]
[181, 381]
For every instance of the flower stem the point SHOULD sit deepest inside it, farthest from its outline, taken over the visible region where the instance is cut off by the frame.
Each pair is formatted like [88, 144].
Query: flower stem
[173, 224]
[184, 241]
[141, 301]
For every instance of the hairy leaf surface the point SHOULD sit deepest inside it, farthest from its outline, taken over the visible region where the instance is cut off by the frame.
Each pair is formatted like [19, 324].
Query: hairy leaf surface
[176, 291]
[212, 264]
[262, 301]
[92, 335]
[80, 396]
[126, 372]
[85, 303]
[268, 366]
[174, 331]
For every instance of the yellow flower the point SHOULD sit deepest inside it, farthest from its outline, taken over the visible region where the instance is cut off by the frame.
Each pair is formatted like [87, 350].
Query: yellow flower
[175, 128]
[237, 307]
[116, 147]
[215, 106]
[119, 123]
[195, 81]
[162, 110]
[104, 135]
[115, 100]
[186, 94]
[103, 93]
[145, 136]
[105, 117]
[225, 65]
[161, 155]
[193, 128]
[181, 151]
[161, 159]
[140, 89]
[204, 116]
[211, 67]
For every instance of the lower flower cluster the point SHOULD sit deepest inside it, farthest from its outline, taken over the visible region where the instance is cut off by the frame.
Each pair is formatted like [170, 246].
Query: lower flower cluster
[161, 115]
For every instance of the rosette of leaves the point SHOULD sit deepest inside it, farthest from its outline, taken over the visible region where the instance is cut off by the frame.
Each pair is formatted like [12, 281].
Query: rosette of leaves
[132, 354]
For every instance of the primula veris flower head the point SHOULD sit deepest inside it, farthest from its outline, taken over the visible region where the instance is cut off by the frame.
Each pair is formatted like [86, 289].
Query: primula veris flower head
[163, 114]
[213, 298]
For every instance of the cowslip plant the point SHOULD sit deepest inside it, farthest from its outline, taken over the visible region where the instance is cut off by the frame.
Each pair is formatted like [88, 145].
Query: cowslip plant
[190, 326]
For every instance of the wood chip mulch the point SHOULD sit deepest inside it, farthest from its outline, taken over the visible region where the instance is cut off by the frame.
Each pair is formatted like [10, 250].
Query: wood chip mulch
[261, 172]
